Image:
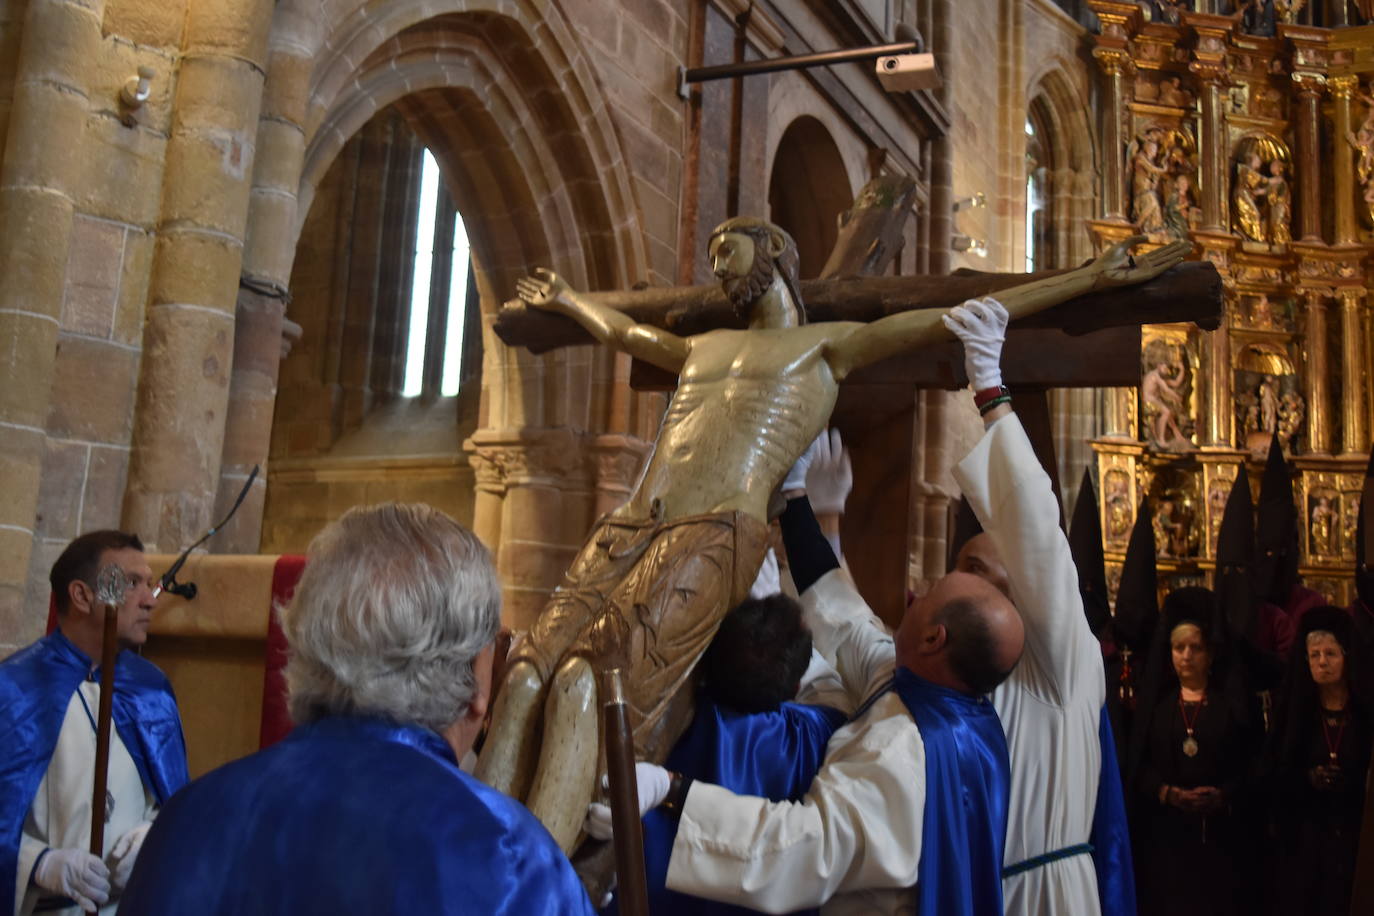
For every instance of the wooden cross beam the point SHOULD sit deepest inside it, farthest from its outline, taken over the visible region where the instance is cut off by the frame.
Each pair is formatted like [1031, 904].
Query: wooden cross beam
[1091, 341]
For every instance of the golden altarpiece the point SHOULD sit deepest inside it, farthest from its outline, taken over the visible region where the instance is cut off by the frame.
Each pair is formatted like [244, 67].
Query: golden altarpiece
[1252, 134]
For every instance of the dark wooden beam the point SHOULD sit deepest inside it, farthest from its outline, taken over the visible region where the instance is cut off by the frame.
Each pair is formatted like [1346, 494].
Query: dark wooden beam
[1188, 292]
[1034, 357]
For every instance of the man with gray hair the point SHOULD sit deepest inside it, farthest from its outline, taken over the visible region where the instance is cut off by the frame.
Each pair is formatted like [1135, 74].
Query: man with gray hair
[363, 808]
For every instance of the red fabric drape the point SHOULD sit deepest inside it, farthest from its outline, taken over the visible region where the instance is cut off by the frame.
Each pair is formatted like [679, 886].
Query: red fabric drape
[276, 720]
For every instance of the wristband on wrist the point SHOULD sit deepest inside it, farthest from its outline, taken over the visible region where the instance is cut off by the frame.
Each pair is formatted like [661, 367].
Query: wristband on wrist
[988, 406]
[678, 787]
[984, 395]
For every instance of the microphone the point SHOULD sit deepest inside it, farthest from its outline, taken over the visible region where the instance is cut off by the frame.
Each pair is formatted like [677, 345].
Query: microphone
[188, 590]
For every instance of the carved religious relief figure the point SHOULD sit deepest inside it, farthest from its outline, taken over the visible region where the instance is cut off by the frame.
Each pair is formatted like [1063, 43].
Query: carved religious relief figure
[1247, 192]
[1163, 389]
[1362, 139]
[1181, 212]
[1280, 199]
[655, 577]
[1147, 174]
[1288, 10]
[1116, 502]
[1172, 93]
[1322, 526]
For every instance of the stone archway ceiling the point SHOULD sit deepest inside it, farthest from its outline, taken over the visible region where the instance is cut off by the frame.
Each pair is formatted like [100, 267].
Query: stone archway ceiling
[537, 96]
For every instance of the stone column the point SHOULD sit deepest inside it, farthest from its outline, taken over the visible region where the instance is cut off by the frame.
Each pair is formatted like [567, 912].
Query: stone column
[491, 489]
[1318, 388]
[188, 337]
[1343, 159]
[1309, 86]
[1354, 420]
[543, 512]
[41, 173]
[268, 253]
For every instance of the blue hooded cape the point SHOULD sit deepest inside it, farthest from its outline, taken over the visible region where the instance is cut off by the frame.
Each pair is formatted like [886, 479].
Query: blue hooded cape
[349, 816]
[968, 782]
[36, 686]
[770, 754]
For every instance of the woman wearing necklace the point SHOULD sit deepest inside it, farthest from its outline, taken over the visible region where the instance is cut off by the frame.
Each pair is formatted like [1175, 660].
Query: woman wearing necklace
[1191, 752]
[1317, 761]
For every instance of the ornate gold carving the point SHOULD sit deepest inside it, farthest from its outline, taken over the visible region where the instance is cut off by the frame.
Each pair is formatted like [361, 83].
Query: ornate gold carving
[1261, 198]
[1343, 87]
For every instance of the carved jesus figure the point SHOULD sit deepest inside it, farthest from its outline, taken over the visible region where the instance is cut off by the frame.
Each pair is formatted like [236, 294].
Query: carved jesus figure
[655, 578]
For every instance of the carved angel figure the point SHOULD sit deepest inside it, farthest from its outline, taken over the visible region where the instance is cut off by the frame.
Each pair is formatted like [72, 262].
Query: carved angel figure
[1280, 198]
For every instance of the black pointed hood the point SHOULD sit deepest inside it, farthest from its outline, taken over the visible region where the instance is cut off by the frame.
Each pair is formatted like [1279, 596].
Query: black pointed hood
[1276, 531]
[1137, 597]
[1085, 544]
[964, 527]
[1236, 558]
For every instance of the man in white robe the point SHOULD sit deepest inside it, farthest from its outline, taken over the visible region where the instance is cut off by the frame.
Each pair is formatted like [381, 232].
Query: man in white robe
[1050, 706]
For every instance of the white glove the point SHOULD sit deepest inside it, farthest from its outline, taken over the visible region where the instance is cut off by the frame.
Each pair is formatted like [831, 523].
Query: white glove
[796, 478]
[124, 853]
[981, 325]
[768, 581]
[653, 782]
[830, 476]
[74, 873]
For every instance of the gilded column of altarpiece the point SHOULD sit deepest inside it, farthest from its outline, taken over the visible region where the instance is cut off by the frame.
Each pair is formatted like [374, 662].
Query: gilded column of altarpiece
[1252, 135]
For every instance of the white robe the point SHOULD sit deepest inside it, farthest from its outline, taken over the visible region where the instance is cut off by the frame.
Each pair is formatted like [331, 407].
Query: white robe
[1051, 705]
[854, 840]
[60, 814]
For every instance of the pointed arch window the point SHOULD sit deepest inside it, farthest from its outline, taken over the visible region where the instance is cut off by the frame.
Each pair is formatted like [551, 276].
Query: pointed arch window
[441, 291]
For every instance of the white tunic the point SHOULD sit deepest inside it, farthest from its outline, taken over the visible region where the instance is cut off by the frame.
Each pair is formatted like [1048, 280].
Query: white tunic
[1051, 705]
[855, 838]
[60, 815]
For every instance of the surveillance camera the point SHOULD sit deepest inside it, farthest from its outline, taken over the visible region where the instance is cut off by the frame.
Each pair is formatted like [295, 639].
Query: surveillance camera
[908, 72]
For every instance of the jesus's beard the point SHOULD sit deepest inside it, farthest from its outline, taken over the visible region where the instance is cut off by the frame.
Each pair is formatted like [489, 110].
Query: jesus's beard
[744, 291]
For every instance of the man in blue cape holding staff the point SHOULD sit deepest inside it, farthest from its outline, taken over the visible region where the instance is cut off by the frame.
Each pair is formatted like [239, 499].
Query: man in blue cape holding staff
[49, 693]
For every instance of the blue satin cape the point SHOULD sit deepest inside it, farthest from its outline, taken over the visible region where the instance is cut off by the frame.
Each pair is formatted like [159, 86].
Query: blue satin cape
[968, 782]
[1111, 837]
[349, 816]
[36, 687]
[774, 755]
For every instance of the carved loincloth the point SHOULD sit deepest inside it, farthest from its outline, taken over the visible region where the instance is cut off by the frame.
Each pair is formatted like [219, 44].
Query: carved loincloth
[648, 596]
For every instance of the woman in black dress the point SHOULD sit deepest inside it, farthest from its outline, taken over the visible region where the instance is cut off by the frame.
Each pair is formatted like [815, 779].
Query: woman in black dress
[1317, 761]
[1193, 745]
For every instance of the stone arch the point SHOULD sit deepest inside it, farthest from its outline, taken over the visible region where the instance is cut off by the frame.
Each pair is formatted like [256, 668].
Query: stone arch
[530, 101]
[505, 98]
[808, 187]
[1057, 106]
[1061, 114]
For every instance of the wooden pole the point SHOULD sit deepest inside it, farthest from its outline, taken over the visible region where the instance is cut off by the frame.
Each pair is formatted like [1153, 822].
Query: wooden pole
[628, 835]
[109, 646]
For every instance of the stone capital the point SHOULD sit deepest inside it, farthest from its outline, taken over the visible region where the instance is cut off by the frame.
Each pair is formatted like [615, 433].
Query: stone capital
[505, 458]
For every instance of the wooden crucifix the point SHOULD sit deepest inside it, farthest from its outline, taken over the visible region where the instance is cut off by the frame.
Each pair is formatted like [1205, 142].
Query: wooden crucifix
[654, 578]
[1092, 340]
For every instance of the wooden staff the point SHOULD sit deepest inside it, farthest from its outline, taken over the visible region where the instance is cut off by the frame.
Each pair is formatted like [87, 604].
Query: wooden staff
[109, 645]
[628, 835]
[111, 587]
